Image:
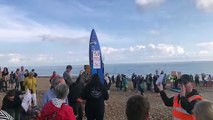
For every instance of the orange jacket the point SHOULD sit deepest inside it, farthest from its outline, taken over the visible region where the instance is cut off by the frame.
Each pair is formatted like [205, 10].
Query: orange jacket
[179, 113]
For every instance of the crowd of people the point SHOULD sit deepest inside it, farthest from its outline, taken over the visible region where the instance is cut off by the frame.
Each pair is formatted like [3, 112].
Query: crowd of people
[64, 99]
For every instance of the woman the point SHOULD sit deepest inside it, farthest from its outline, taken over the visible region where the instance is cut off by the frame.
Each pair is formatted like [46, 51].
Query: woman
[203, 110]
[12, 104]
[30, 84]
[95, 93]
[12, 80]
[5, 77]
[57, 108]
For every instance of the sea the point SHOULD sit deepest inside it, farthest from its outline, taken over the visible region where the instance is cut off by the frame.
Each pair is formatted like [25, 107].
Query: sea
[193, 67]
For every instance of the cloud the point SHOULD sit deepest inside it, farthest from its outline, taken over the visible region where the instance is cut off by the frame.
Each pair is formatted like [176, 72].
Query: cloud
[110, 50]
[137, 48]
[148, 3]
[151, 50]
[49, 37]
[14, 58]
[148, 53]
[206, 5]
[167, 49]
[203, 52]
[17, 27]
[84, 7]
[44, 58]
[154, 32]
[206, 45]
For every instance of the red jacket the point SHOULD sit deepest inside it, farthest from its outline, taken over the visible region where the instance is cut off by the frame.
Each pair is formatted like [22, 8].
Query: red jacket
[51, 112]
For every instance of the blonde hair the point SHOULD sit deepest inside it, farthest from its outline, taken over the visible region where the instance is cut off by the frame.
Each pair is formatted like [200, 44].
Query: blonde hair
[203, 110]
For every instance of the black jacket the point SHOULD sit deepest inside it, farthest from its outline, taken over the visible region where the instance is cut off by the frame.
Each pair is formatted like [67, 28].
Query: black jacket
[95, 93]
[185, 104]
[74, 93]
[8, 104]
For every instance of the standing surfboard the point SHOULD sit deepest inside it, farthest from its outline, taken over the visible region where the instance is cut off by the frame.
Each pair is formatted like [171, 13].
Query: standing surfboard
[95, 57]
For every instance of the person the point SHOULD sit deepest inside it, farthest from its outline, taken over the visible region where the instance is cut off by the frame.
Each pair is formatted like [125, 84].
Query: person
[107, 82]
[134, 77]
[12, 103]
[183, 102]
[203, 110]
[50, 94]
[34, 73]
[11, 81]
[137, 108]
[26, 73]
[161, 79]
[1, 80]
[74, 98]
[86, 76]
[142, 85]
[197, 82]
[67, 77]
[95, 93]
[15, 77]
[155, 78]
[149, 82]
[30, 83]
[57, 108]
[5, 77]
[21, 78]
[53, 75]
[204, 80]
[125, 82]
[5, 116]
[118, 82]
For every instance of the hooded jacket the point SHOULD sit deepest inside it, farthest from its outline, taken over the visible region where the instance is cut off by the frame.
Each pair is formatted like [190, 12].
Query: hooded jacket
[57, 110]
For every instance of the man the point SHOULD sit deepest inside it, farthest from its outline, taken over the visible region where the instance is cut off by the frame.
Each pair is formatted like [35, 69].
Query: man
[184, 102]
[86, 76]
[21, 78]
[134, 77]
[95, 93]
[67, 77]
[50, 94]
[197, 79]
[137, 108]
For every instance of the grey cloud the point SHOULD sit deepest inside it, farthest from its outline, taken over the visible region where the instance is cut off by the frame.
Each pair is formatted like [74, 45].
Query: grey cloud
[49, 37]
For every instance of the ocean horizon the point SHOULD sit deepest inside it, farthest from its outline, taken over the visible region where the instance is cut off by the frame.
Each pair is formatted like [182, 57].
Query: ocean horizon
[193, 67]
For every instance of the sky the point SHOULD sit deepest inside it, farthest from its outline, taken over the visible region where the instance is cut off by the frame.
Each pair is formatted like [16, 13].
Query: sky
[56, 32]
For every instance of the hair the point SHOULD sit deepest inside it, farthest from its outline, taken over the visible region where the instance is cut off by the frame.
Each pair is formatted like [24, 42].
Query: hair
[55, 81]
[203, 110]
[69, 67]
[5, 69]
[17, 69]
[137, 108]
[62, 91]
[31, 73]
[95, 78]
[10, 93]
